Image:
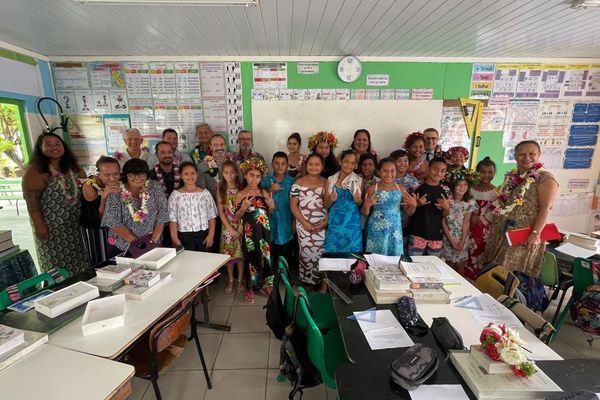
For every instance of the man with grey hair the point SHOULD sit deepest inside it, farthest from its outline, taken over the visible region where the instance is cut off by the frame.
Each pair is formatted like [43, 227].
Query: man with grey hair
[133, 147]
[245, 144]
[203, 135]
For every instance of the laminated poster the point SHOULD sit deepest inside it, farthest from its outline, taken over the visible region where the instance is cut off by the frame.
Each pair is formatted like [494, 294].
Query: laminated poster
[162, 78]
[137, 79]
[213, 79]
[71, 76]
[553, 76]
[575, 81]
[141, 113]
[114, 131]
[505, 80]
[187, 80]
[554, 112]
[528, 83]
[482, 81]
[270, 75]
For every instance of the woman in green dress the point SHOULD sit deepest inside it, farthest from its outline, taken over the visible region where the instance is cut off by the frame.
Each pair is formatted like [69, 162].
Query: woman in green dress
[51, 187]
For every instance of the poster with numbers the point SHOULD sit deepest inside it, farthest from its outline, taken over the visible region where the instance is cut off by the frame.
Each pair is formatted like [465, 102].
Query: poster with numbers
[187, 80]
[137, 79]
[162, 79]
[505, 80]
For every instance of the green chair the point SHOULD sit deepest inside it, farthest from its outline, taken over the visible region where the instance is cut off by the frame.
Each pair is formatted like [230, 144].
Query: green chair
[549, 270]
[31, 286]
[326, 351]
[582, 279]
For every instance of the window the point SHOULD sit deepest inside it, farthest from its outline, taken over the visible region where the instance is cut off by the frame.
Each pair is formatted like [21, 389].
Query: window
[14, 145]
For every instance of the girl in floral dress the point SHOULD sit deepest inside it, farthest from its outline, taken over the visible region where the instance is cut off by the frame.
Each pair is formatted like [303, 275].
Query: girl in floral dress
[456, 225]
[311, 218]
[484, 193]
[231, 236]
[253, 208]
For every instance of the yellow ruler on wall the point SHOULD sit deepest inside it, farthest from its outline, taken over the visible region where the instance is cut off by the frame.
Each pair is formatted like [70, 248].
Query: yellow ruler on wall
[472, 114]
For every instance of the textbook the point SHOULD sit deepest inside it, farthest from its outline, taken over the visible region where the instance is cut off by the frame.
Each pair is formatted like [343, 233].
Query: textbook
[31, 341]
[10, 338]
[141, 292]
[426, 283]
[113, 272]
[384, 296]
[143, 277]
[396, 282]
[517, 237]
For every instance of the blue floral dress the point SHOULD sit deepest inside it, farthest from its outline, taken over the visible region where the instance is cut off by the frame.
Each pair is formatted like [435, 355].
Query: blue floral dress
[384, 228]
[343, 230]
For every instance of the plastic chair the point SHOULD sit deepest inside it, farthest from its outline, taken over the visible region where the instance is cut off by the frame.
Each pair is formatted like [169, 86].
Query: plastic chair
[549, 270]
[169, 331]
[582, 279]
[496, 280]
[326, 351]
[21, 290]
[541, 328]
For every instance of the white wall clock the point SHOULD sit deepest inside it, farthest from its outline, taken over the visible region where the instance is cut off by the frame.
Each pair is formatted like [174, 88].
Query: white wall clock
[349, 69]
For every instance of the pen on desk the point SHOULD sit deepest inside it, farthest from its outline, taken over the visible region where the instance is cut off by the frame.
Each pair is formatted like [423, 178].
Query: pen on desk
[526, 349]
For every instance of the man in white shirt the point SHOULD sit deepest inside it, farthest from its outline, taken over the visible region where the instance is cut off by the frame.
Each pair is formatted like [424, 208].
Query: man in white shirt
[432, 147]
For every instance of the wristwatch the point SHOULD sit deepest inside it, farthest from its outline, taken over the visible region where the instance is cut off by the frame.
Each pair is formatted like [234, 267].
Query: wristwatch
[535, 232]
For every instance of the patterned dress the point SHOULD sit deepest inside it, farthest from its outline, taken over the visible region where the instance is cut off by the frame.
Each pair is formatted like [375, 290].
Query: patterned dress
[230, 245]
[411, 184]
[455, 220]
[479, 231]
[255, 243]
[310, 203]
[384, 228]
[344, 225]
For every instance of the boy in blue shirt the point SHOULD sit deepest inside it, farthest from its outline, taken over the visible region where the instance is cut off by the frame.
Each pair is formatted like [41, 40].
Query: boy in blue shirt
[279, 184]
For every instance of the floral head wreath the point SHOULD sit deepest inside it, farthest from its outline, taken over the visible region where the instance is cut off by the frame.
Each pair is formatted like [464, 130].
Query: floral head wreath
[455, 175]
[457, 150]
[254, 163]
[410, 139]
[320, 137]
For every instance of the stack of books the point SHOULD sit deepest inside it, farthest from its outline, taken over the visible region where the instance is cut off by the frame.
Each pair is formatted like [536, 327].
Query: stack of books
[6, 244]
[110, 278]
[16, 343]
[386, 283]
[585, 241]
[425, 282]
[142, 283]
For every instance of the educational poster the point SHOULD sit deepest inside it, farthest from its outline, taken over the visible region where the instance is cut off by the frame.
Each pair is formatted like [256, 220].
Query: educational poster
[593, 82]
[493, 119]
[300, 94]
[329, 94]
[106, 75]
[118, 101]
[482, 81]
[190, 115]
[84, 101]
[162, 79]
[137, 79]
[371, 94]
[286, 94]
[575, 81]
[66, 99]
[357, 94]
[505, 80]
[187, 80]
[553, 147]
[513, 134]
[70, 76]
[87, 139]
[402, 94]
[553, 76]
[421, 94]
[528, 83]
[270, 75]
[554, 112]
[235, 114]
[586, 112]
[101, 102]
[212, 79]
[387, 94]
[215, 114]
[378, 80]
[509, 155]
[342, 94]
[578, 158]
[141, 113]
[522, 112]
[453, 129]
[166, 115]
[115, 127]
[583, 135]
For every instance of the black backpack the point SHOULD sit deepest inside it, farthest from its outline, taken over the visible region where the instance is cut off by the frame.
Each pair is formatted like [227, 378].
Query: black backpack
[294, 362]
[277, 318]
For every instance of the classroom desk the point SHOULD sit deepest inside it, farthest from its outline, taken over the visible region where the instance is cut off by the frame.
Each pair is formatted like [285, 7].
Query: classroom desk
[53, 373]
[189, 269]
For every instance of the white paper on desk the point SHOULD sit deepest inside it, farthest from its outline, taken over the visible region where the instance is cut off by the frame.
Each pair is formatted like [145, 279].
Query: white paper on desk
[575, 251]
[443, 269]
[335, 264]
[385, 332]
[493, 311]
[380, 259]
[446, 392]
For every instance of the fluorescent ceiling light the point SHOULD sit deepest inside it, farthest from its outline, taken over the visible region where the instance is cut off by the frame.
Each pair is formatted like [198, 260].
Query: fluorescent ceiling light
[586, 3]
[173, 2]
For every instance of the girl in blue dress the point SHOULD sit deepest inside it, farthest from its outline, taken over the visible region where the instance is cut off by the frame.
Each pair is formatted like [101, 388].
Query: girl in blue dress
[343, 197]
[384, 201]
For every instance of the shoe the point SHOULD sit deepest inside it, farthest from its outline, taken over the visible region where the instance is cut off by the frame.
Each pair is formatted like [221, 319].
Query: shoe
[266, 290]
[229, 288]
[249, 296]
[240, 286]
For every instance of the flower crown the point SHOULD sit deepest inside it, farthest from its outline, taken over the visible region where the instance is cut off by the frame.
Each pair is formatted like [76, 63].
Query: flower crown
[455, 175]
[458, 150]
[410, 139]
[254, 163]
[320, 137]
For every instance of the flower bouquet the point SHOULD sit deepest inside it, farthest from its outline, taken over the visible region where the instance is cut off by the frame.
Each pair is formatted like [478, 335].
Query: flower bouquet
[501, 343]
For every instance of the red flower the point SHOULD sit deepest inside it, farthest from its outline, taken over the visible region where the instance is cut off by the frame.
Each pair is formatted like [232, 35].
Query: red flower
[518, 372]
[247, 230]
[492, 352]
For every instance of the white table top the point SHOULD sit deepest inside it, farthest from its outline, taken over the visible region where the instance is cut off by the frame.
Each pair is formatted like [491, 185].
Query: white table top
[469, 328]
[54, 373]
[189, 269]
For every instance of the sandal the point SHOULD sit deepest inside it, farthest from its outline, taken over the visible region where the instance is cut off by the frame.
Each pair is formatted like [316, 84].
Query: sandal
[229, 288]
[240, 286]
[249, 296]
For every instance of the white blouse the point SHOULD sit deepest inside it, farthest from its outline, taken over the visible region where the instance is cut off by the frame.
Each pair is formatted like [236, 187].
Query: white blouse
[192, 211]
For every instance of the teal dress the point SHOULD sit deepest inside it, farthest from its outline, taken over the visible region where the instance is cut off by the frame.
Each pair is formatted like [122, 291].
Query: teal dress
[281, 218]
[384, 227]
[343, 230]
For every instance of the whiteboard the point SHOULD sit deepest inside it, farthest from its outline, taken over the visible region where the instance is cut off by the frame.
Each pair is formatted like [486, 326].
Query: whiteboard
[388, 121]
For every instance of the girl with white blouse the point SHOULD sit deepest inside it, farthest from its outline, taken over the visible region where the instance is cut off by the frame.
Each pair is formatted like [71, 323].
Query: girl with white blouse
[192, 212]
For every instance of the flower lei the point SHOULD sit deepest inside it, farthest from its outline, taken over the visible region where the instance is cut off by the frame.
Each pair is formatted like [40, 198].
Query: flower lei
[211, 163]
[127, 197]
[161, 178]
[197, 154]
[93, 182]
[118, 155]
[513, 179]
[501, 343]
[455, 175]
[320, 137]
[254, 163]
[70, 195]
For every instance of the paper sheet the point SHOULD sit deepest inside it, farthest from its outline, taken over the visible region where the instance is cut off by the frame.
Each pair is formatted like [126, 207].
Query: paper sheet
[335, 264]
[380, 259]
[493, 311]
[575, 251]
[446, 392]
[384, 332]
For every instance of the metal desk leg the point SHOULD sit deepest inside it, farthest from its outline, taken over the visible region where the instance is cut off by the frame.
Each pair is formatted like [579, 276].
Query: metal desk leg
[206, 322]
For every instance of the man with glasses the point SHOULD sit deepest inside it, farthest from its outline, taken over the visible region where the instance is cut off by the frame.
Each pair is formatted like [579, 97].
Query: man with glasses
[246, 151]
[432, 147]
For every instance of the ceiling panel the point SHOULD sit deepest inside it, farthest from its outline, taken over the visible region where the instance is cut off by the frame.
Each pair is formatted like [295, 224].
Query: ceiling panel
[378, 28]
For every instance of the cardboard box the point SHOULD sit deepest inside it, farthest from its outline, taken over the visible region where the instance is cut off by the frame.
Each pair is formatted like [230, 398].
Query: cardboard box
[66, 299]
[103, 314]
[156, 258]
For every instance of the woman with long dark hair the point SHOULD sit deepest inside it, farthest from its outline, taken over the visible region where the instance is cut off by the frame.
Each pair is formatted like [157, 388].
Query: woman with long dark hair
[51, 187]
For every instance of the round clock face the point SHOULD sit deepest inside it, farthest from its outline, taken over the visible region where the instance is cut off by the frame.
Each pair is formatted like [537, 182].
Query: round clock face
[349, 69]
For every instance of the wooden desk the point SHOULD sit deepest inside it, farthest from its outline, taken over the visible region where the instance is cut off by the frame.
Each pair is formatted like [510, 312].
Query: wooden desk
[54, 373]
[189, 269]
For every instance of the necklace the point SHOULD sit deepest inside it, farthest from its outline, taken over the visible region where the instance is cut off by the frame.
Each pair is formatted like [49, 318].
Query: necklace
[93, 182]
[161, 178]
[512, 180]
[70, 193]
[127, 197]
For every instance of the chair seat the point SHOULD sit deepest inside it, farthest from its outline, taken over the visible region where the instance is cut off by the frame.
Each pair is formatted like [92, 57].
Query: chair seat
[323, 310]
[140, 357]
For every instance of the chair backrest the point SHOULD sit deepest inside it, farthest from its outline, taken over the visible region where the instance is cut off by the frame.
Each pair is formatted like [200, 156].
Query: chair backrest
[582, 276]
[22, 290]
[497, 280]
[167, 330]
[288, 297]
[542, 328]
[549, 270]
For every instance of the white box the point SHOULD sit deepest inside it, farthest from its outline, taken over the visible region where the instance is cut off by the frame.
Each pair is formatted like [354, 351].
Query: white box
[156, 258]
[124, 260]
[103, 314]
[66, 299]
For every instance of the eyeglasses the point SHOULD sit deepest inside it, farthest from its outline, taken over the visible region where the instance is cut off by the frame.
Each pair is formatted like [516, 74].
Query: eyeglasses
[137, 175]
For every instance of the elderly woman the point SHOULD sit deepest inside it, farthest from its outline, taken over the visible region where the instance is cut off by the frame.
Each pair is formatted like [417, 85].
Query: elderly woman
[414, 144]
[51, 190]
[138, 209]
[524, 201]
[203, 135]
[133, 147]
